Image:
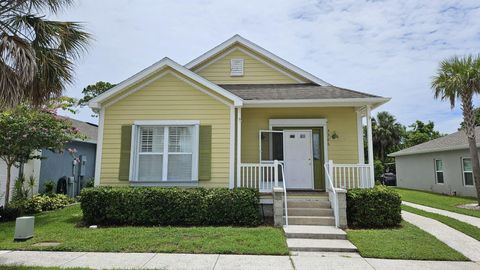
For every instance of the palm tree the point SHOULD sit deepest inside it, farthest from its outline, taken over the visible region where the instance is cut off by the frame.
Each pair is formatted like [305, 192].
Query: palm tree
[386, 134]
[459, 78]
[36, 54]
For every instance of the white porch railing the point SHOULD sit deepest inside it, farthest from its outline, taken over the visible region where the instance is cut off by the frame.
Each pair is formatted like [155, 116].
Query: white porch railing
[332, 193]
[349, 176]
[261, 176]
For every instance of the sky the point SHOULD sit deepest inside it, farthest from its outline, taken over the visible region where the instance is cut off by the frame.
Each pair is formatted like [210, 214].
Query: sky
[387, 48]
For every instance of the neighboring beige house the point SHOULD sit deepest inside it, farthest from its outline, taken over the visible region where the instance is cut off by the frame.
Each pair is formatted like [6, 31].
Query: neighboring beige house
[226, 118]
[442, 165]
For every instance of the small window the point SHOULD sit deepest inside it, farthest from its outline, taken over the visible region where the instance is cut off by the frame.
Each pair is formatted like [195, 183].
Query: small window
[236, 67]
[467, 172]
[439, 171]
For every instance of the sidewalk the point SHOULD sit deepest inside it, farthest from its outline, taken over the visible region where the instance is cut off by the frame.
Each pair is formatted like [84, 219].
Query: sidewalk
[455, 239]
[299, 261]
[464, 218]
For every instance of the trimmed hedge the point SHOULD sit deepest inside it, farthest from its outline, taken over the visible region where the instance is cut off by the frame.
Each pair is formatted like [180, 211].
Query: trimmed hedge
[151, 206]
[378, 207]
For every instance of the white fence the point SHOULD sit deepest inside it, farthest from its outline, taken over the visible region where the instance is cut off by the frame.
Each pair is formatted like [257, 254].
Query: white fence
[349, 176]
[262, 176]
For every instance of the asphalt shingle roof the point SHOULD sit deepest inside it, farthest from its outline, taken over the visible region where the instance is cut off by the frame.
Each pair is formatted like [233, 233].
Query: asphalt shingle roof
[85, 128]
[454, 141]
[291, 91]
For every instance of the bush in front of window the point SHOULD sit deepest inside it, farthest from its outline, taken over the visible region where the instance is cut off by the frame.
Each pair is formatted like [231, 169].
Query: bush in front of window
[378, 207]
[153, 206]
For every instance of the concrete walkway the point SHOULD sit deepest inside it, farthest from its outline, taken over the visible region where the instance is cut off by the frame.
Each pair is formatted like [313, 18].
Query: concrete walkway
[467, 219]
[298, 261]
[455, 239]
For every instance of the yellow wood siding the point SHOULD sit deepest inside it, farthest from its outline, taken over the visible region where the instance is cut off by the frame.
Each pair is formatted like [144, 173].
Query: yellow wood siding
[217, 69]
[343, 121]
[167, 98]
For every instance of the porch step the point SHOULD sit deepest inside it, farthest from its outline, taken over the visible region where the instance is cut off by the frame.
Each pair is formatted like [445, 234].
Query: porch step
[310, 211]
[320, 245]
[308, 203]
[311, 220]
[314, 232]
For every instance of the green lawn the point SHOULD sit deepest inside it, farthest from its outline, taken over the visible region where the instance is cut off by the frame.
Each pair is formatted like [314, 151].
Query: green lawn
[62, 226]
[466, 228]
[407, 242]
[439, 201]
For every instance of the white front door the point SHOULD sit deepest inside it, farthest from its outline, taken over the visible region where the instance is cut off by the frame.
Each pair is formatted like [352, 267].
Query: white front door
[297, 145]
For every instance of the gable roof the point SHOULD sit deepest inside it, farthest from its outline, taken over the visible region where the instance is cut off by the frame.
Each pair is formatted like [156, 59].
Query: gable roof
[165, 62]
[237, 39]
[454, 141]
[85, 128]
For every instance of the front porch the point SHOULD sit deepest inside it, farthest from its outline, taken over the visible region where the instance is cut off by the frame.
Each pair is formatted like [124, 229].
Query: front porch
[304, 154]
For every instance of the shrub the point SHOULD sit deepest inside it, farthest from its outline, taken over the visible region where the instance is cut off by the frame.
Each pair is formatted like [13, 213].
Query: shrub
[152, 206]
[377, 207]
[40, 203]
[379, 169]
[50, 187]
[9, 213]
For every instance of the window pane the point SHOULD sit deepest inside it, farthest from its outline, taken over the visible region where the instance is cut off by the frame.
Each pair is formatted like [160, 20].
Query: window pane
[180, 167]
[316, 146]
[439, 165]
[468, 178]
[150, 167]
[467, 165]
[151, 139]
[180, 139]
[440, 177]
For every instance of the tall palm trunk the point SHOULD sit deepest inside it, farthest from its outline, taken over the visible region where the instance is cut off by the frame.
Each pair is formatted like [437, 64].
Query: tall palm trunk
[469, 119]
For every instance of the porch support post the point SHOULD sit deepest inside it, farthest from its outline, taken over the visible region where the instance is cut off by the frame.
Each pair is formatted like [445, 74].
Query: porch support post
[361, 151]
[370, 146]
[239, 143]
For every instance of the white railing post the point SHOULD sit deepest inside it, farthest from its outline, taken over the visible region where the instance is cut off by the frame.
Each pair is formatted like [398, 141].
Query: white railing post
[275, 172]
[330, 172]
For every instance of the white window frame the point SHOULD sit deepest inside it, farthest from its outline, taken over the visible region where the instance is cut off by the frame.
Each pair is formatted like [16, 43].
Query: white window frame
[240, 72]
[463, 173]
[437, 171]
[134, 157]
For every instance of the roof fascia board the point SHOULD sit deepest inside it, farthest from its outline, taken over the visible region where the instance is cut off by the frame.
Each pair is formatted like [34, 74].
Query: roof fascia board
[165, 62]
[254, 47]
[453, 148]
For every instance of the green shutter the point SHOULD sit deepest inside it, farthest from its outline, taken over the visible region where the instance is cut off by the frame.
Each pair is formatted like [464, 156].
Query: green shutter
[205, 153]
[125, 149]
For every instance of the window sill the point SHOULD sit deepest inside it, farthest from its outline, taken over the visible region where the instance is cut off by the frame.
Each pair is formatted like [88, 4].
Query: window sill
[164, 183]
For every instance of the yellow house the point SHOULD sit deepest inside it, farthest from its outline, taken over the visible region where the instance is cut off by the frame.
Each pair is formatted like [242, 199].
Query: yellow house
[237, 115]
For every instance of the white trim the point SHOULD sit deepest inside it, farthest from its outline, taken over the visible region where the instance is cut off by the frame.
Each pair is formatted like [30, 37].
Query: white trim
[370, 143]
[165, 62]
[341, 102]
[318, 122]
[239, 143]
[98, 157]
[166, 122]
[232, 149]
[463, 173]
[436, 171]
[426, 151]
[223, 55]
[261, 51]
[361, 150]
[135, 144]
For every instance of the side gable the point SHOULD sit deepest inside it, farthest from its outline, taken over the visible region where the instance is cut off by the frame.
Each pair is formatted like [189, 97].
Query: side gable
[256, 69]
[265, 61]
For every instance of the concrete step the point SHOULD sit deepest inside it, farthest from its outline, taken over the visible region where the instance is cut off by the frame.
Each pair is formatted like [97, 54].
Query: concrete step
[310, 211]
[301, 203]
[320, 245]
[314, 232]
[311, 220]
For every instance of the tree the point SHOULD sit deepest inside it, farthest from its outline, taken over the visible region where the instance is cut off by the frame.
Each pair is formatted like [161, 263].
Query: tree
[387, 134]
[459, 79]
[24, 131]
[36, 54]
[93, 90]
[476, 112]
[420, 132]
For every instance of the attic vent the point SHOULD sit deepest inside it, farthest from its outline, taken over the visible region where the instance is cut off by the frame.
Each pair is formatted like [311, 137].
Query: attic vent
[236, 67]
